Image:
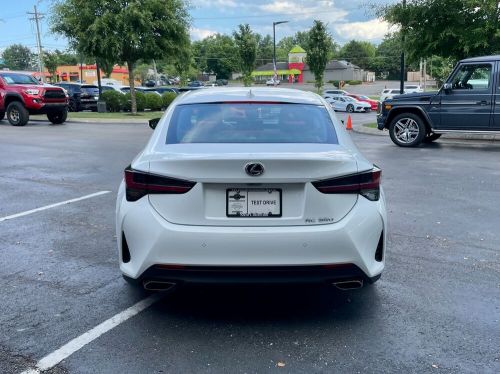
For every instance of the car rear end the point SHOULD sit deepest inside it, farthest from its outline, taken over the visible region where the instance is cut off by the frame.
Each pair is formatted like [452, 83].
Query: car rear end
[89, 97]
[253, 191]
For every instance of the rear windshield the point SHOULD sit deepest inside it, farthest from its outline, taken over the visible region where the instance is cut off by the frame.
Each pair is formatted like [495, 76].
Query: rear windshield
[251, 123]
[91, 90]
[13, 78]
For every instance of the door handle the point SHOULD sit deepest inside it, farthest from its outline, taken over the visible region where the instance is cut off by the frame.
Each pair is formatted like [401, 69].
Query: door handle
[484, 102]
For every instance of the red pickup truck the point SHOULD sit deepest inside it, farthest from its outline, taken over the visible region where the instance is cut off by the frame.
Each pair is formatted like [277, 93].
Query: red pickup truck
[21, 95]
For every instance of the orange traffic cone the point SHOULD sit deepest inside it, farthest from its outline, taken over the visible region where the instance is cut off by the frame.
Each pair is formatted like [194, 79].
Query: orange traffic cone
[349, 123]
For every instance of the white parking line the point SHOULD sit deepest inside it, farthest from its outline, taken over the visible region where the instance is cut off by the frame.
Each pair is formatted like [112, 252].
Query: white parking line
[17, 215]
[52, 359]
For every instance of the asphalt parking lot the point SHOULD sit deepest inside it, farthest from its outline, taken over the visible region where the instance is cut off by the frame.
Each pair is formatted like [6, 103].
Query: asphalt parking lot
[436, 308]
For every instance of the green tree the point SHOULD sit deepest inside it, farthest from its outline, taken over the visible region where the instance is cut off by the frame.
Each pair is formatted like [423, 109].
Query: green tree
[359, 53]
[216, 54]
[51, 62]
[386, 62]
[18, 57]
[247, 51]
[447, 28]
[123, 30]
[264, 49]
[320, 43]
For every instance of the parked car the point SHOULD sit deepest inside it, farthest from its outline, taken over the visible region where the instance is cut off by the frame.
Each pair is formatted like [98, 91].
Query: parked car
[346, 103]
[150, 83]
[195, 84]
[389, 93]
[221, 82]
[81, 96]
[112, 88]
[22, 95]
[126, 89]
[272, 82]
[162, 90]
[467, 103]
[365, 99]
[412, 88]
[231, 186]
[333, 91]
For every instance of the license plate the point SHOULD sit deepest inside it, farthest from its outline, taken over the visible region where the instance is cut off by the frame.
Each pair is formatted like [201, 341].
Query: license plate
[253, 202]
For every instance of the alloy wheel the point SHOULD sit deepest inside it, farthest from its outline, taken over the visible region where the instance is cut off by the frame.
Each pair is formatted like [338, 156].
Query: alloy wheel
[406, 130]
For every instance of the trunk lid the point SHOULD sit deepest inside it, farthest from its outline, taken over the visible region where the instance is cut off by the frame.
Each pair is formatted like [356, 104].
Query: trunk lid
[219, 170]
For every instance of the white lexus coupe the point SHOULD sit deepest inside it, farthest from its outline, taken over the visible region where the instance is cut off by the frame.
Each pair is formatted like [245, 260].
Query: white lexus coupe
[244, 185]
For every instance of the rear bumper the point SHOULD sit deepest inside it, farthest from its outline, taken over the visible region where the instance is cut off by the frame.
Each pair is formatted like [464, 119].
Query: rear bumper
[151, 241]
[255, 274]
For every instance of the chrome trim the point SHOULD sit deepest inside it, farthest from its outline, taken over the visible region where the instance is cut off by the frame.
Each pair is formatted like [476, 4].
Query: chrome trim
[480, 132]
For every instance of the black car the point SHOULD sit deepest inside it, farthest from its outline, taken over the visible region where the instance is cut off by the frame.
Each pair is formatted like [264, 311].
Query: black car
[81, 96]
[468, 102]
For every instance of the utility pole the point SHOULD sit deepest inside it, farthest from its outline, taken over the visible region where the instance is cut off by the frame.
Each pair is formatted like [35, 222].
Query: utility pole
[37, 17]
[402, 77]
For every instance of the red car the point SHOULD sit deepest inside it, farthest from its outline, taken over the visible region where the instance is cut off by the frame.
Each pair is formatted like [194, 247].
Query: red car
[366, 99]
[22, 95]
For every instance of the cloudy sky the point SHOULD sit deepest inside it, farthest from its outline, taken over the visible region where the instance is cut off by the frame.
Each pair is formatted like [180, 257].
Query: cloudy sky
[346, 19]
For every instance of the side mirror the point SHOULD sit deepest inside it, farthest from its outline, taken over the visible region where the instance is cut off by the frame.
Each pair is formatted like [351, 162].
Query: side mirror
[154, 122]
[447, 87]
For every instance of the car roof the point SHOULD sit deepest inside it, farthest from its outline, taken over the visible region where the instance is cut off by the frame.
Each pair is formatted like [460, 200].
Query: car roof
[482, 59]
[257, 94]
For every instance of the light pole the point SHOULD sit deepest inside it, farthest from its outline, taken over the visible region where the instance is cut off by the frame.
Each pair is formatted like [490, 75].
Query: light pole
[274, 50]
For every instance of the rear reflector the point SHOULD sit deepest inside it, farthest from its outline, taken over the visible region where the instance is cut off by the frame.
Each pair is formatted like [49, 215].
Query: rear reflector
[366, 184]
[140, 183]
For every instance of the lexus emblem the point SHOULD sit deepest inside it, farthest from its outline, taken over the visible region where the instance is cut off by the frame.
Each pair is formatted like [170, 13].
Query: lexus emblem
[254, 169]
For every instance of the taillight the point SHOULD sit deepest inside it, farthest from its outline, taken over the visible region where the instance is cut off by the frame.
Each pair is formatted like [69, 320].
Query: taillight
[140, 183]
[366, 184]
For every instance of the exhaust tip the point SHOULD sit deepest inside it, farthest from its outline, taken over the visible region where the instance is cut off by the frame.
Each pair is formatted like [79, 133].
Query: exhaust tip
[151, 285]
[349, 285]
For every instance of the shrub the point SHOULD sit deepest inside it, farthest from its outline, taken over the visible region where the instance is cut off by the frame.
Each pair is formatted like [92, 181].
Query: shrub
[354, 83]
[167, 98]
[140, 100]
[113, 99]
[153, 101]
[335, 83]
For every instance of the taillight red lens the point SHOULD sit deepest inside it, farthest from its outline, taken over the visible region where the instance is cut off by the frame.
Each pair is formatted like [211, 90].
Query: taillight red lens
[140, 183]
[366, 184]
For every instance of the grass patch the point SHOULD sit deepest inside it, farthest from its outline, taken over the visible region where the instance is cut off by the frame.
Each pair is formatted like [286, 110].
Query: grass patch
[371, 125]
[92, 115]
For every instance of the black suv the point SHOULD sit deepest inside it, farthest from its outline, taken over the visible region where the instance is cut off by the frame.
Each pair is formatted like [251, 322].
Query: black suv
[468, 102]
[81, 96]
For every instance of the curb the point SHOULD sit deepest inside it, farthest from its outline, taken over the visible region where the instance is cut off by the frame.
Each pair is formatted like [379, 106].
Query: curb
[109, 121]
[362, 129]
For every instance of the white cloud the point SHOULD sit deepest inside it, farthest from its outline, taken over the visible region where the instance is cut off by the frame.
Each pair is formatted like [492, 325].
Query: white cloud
[198, 33]
[305, 10]
[367, 30]
[216, 3]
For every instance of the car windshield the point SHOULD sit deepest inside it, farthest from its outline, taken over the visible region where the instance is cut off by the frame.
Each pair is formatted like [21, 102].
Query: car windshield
[251, 123]
[14, 78]
[364, 97]
[348, 98]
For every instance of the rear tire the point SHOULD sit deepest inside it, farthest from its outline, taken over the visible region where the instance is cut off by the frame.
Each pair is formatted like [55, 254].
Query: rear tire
[58, 117]
[407, 130]
[429, 138]
[2, 114]
[17, 114]
[350, 108]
